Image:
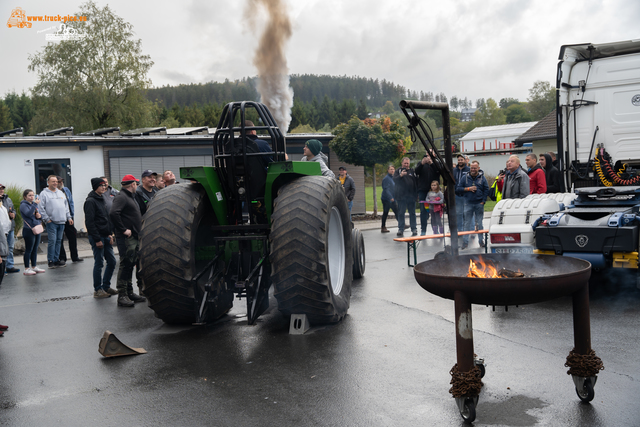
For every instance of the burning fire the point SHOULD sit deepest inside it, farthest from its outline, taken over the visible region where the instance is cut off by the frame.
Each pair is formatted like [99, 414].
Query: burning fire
[487, 270]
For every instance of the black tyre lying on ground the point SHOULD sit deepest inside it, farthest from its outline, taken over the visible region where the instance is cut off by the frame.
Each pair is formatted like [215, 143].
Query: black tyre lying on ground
[175, 229]
[311, 250]
[359, 258]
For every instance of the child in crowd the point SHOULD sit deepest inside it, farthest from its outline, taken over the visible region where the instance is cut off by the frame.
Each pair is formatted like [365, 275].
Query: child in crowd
[435, 198]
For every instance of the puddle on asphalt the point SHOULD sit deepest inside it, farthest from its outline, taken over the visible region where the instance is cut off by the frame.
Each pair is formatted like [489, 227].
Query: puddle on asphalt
[510, 412]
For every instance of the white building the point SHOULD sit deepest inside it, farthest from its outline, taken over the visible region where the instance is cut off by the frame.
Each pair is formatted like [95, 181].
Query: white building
[27, 161]
[493, 137]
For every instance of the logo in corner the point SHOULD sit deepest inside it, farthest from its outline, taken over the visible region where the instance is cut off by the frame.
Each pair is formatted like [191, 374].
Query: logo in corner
[582, 240]
[65, 33]
[636, 100]
[18, 19]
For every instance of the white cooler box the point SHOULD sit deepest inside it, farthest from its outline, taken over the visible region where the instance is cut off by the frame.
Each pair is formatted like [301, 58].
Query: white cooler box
[512, 220]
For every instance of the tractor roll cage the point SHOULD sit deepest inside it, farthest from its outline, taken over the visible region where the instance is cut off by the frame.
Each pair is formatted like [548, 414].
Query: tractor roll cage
[237, 166]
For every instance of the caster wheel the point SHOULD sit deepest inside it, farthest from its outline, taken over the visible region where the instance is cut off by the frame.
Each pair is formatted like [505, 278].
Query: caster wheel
[482, 369]
[587, 393]
[469, 412]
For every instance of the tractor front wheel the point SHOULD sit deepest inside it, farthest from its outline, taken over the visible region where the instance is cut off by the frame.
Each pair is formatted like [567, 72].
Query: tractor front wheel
[311, 249]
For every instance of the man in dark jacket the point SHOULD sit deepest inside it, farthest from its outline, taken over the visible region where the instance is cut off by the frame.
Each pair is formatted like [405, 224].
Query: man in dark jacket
[474, 188]
[555, 183]
[147, 191]
[426, 173]
[348, 185]
[406, 192]
[388, 197]
[69, 229]
[458, 171]
[516, 181]
[109, 194]
[100, 233]
[127, 222]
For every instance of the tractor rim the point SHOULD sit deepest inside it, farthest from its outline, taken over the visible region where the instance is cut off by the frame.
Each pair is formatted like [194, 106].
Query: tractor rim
[336, 251]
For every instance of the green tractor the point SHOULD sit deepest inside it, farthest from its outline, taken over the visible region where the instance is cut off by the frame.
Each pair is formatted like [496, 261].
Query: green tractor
[251, 220]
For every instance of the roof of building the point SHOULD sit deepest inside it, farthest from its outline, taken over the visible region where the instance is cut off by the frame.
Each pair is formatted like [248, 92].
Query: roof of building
[544, 129]
[500, 131]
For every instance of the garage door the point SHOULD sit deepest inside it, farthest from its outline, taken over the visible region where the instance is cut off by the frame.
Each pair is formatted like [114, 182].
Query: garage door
[121, 166]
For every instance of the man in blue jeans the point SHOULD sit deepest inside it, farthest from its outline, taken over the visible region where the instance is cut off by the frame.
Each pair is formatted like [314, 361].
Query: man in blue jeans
[100, 232]
[474, 188]
[54, 209]
[460, 169]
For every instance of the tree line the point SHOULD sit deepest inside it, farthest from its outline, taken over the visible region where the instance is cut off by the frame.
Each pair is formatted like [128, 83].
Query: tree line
[202, 104]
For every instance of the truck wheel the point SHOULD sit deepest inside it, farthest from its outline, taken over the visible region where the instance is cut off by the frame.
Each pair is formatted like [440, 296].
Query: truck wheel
[359, 259]
[175, 244]
[311, 249]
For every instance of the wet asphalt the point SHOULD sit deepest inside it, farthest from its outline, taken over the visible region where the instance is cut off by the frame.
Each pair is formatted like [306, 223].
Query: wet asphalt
[386, 364]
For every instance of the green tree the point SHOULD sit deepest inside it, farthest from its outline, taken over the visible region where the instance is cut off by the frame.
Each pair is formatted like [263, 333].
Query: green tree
[97, 81]
[517, 113]
[388, 108]
[303, 129]
[367, 142]
[489, 114]
[507, 102]
[362, 111]
[5, 117]
[21, 108]
[542, 99]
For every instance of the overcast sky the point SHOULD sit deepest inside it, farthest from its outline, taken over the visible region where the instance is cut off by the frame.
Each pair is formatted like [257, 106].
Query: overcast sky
[473, 48]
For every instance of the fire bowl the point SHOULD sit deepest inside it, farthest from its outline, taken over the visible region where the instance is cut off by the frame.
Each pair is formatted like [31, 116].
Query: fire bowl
[546, 277]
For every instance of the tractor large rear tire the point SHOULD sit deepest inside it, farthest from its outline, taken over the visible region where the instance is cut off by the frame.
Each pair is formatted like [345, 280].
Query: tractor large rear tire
[177, 221]
[311, 249]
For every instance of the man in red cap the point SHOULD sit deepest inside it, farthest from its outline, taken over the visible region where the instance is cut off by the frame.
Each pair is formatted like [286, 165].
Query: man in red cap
[127, 221]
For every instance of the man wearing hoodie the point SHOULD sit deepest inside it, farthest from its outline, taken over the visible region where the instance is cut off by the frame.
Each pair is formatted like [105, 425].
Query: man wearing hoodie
[537, 180]
[54, 209]
[555, 184]
[474, 188]
[313, 153]
[101, 238]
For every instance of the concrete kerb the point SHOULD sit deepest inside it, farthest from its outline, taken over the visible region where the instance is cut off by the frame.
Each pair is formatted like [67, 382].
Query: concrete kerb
[84, 251]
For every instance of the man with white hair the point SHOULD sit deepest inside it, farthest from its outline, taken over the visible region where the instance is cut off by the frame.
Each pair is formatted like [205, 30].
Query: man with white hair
[516, 181]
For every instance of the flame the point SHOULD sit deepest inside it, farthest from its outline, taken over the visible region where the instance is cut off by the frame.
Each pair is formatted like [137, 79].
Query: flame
[482, 269]
[487, 270]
